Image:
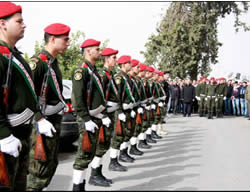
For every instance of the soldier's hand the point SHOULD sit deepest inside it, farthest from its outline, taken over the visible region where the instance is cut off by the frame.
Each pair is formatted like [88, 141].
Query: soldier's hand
[216, 99]
[132, 114]
[140, 110]
[224, 98]
[106, 121]
[160, 104]
[10, 145]
[153, 106]
[90, 126]
[206, 99]
[122, 117]
[45, 127]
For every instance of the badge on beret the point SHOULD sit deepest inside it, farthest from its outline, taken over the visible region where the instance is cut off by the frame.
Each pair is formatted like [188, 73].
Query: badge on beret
[33, 62]
[78, 76]
[118, 80]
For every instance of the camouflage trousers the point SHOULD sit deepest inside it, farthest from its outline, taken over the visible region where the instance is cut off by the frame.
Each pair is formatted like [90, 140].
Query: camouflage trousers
[146, 120]
[163, 114]
[137, 127]
[210, 104]
[117, 139]
[85, 156]
[202, 104]
[41, 172]
[18, 167]
[219, 104]
[128, 130]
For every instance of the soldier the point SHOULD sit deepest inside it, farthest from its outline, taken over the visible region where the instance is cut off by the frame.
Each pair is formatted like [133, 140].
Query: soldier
[221, 93]
[210, 97]
[124, 85]
[200, 96]
[114, 109]
[18, 101]
[142, 81]
[89, 102]
[45, 65]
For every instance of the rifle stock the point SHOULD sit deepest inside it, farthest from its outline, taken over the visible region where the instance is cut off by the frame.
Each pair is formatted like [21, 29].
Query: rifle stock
[4, 176]
[118, 127]
[6, 97]
[40, 153]
[138, 118]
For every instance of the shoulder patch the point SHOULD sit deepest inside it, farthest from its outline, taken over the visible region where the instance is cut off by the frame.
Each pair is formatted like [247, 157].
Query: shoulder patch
[78, 75]
[118, 79]
[33, 63]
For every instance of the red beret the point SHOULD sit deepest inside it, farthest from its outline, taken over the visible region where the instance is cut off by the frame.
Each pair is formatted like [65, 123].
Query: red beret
[150, 69]
[124, 59]
[109, 51]
[157, 71]
[161, 73]
[57, 29]
[8, 8]
[134, 62]
[212, 78]
[142, 67]
[90, 43]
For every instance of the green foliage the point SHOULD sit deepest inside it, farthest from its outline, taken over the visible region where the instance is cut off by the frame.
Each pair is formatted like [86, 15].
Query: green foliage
[187, 42]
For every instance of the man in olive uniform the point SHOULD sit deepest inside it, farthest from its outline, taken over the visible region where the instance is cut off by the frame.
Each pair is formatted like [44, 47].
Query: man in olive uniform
[221, 93]
[89, 102]
[18, 101]
[124, 85]
[200, 96]
[142, 83]
[114, 109]
[210, 97]
[137, 121]
[45, 64]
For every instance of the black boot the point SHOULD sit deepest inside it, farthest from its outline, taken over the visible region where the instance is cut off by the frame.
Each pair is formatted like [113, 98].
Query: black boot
[210, 116]
[114, 165]
[155, 136]
[124, 157]
[79, 187]
[100, 172]
[200, 114]
[149, 139]
[143, 144]
[96, 179]
[134, 151]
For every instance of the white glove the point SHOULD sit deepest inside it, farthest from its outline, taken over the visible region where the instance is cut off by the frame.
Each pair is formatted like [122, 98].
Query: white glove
[90, 126]
[147, 107]
[122, 117]
[224, 98]
[132, 114]
[216, 99]
[153, 106]
[45, 127]
[206, 99]
[140, 110]
[198, 98]
[10, 145]
[160, 104]
[106, 121]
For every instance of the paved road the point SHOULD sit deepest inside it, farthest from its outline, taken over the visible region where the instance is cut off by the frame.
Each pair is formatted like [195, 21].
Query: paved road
[197, 154]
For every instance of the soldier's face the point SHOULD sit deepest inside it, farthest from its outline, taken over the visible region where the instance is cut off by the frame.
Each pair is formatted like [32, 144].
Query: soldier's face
[61, 43]
[143, 73]
[112, 61]
[94, 52]
[14, 26]
[128, 66]
[136, 69]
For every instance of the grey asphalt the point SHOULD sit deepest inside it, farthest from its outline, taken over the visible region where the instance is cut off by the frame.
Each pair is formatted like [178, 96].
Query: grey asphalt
[197, 155]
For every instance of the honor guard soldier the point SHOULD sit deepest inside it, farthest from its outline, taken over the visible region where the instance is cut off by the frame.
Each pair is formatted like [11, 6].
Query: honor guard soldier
[210, 97]
[114, 109]
[136, 122]
[142, 82]
[48, 85]
[124, 85]
[200, 96]
[221, 92]
[88, 99]
[18, 102]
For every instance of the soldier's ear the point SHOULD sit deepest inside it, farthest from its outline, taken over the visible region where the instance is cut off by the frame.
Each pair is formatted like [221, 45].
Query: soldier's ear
[2, 23]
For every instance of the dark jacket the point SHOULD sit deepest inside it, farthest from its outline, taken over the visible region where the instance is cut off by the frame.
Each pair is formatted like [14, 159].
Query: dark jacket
[166, 89]
[188, 93]
[175, 92]
[229, 91]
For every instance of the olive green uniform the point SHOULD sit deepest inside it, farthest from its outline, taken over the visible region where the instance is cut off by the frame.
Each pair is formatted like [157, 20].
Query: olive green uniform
[41, 172]
[221, 92]
[162, 99]
[156, 100]
[81, 79]
[149, 99]
[21, 96]
[210, 96]
[201, 92]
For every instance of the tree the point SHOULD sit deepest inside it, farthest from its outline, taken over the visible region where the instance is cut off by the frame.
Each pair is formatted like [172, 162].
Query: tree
[186, 42]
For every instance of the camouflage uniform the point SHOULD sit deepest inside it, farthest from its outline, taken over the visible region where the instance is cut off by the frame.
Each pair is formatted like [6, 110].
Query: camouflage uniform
[200, 92]
[210, 99]
[41, 173]
[21, 96]
[221, 92]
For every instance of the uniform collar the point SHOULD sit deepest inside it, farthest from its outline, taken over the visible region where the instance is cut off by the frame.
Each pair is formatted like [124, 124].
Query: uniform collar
[91, 66]
[15, 50]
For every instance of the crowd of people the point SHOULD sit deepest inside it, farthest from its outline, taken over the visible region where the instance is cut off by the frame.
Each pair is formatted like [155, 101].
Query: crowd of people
[229, 97]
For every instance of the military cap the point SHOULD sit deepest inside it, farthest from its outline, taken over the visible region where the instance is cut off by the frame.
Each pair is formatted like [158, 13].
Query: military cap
[142, 67]
[150, 69]
[134, 62]
[124, 59]
[157, 71]
[57, 29]
[8, 8]
[108, 52]
[161, 73]
[90, 43]
[212, 78]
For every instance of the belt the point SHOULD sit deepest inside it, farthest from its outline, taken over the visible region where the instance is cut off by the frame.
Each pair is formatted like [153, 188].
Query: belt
[211, 96]
[112, 106]
[21, 118]
[150, 99]
[163, 98]
[202, 95]
[127, 106]
[53, 109]
[143, 105]
[96, 111]
[221, 95]
[99, 116]
[144, 101]
[157, 100]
